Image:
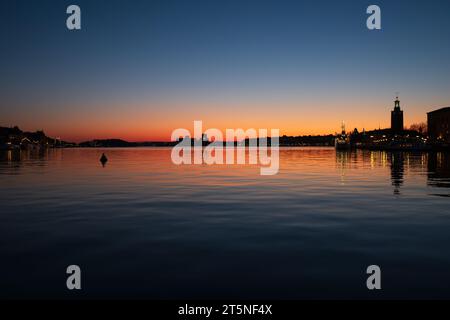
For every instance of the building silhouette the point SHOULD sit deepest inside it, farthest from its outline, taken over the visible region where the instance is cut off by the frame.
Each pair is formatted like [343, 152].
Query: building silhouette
[397, 118]
[438, 124]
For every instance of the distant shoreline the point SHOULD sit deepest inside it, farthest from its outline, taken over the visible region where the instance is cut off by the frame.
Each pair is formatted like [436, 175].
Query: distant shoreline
[15, 139]
[445, 149]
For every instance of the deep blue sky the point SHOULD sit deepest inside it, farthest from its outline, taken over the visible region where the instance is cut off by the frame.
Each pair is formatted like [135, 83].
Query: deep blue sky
[311, 59]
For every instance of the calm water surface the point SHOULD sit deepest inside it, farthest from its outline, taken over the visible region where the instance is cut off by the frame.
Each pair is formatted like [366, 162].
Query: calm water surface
[141, 227]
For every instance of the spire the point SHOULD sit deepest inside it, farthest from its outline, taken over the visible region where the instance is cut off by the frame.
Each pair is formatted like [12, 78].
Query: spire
[397, 102]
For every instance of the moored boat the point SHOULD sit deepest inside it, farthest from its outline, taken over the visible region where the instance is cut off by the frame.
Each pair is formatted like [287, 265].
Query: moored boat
[342, 141]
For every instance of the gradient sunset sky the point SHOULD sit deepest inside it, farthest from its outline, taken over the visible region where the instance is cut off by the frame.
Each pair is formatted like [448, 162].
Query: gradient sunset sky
[139, 69]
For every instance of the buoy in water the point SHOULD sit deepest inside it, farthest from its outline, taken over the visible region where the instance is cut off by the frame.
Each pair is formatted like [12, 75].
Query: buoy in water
[103, 159]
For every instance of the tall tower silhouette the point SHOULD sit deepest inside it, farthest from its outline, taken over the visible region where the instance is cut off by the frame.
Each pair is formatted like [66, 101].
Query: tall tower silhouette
[397, 118]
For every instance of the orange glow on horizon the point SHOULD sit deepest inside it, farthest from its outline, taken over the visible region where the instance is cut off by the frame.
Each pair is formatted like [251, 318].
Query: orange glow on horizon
[141, 122]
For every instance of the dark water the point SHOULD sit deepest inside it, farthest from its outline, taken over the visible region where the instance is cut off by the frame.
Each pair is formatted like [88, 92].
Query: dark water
[143, 227]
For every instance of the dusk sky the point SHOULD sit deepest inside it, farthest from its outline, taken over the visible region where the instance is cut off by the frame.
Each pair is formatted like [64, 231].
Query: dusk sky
[139, 69]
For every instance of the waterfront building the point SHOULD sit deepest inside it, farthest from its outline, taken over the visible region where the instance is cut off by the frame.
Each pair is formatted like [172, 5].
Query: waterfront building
[438, 124]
